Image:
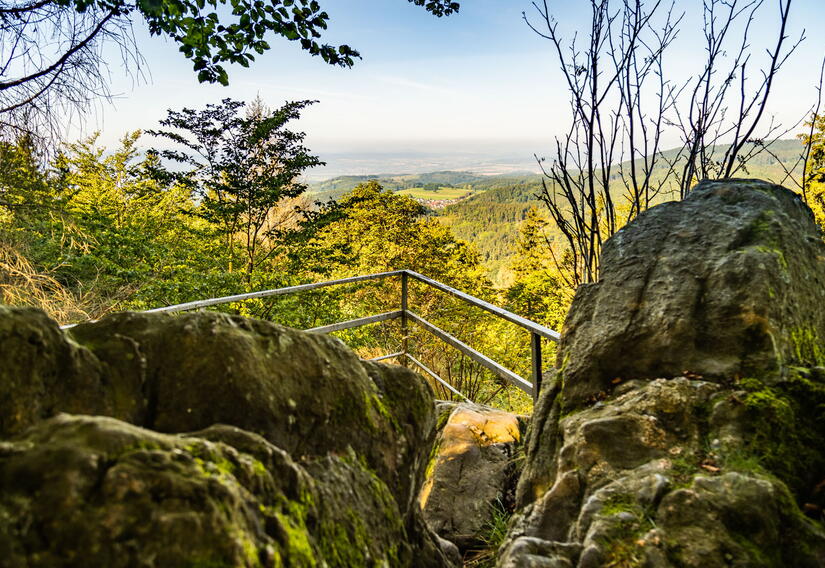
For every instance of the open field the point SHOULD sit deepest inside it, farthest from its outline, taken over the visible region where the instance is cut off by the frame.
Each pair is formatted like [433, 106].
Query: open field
[441, 193]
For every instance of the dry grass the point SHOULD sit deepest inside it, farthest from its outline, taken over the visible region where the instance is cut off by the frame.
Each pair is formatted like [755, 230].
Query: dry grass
[21, 284]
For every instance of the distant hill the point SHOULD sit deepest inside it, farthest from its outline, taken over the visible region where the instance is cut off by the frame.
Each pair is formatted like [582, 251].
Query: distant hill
[337, 186]
[489, 217]
[770, 164]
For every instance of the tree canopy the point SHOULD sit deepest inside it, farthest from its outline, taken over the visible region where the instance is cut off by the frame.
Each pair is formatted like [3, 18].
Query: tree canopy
[813, 183]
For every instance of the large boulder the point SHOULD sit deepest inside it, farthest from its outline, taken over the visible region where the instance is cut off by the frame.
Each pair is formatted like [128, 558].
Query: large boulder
[355, 429]
[472, 472]
[684, 424]
[306, 393]
[95, 491]
[673, 473]
[43, 372]
[729, 282]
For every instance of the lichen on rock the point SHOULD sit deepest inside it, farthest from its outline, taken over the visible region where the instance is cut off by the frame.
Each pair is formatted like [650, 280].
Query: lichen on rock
[683, 425]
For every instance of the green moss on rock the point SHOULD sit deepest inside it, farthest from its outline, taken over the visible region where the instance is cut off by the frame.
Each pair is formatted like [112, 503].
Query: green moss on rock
[126, 496]
[786, 422]
[236, 399]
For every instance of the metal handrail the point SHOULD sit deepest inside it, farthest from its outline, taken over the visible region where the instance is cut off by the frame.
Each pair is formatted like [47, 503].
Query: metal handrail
[434, 375]
[537, 331]
[530, 326]
[472, 353]
[267, 293]
[356, 322]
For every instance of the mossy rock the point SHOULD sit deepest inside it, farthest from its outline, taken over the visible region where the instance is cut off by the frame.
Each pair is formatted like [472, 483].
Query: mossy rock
[728, 282]
[783, 424]
[472, 473]
[272, 392]
[684, 423]
[42, 372]
[306, 393]
[93, 491]
[678, 473]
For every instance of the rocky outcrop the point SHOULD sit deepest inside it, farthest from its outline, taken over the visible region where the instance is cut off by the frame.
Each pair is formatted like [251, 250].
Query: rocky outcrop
[94, 491]
[728, 282]
[43, 372]
[472, 471]
[684, 424]
[243, 442]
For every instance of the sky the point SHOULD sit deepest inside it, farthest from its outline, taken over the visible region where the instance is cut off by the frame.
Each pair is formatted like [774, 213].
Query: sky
[477, 82]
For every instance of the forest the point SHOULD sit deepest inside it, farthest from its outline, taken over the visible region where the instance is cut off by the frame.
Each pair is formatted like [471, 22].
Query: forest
[94, 230]
[211, 200]
[613, 359]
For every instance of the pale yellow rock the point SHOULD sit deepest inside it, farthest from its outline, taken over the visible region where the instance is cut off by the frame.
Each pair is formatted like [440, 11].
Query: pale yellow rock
[468, 470]
[468, 426]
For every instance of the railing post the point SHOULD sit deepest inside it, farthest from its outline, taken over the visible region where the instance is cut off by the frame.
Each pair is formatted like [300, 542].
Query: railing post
[404, 327]
[535, 348]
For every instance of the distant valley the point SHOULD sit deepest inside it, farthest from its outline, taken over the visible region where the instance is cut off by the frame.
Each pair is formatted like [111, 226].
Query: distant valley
[482, 209]
[486, 209]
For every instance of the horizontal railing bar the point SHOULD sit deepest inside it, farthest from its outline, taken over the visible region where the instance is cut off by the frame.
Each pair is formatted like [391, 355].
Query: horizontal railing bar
[356, 322]
[495, 310]
[434, 375]
[389, 356]
[521, 383]
[476, 356]
[266, 293]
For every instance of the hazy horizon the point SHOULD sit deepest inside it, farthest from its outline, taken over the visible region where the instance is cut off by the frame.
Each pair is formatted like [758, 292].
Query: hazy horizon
[485, 158]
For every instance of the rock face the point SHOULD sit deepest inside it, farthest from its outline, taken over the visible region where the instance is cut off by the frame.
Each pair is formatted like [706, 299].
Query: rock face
[730, 281]
[228, 442]
[661, 474]
[472, 471]
[632, 462]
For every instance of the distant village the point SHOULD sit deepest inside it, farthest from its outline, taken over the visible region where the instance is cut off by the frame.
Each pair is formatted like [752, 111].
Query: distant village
[441, 203]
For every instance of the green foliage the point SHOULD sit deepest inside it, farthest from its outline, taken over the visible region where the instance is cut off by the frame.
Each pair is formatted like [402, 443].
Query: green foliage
[814, 180]
[490, 217]
[26, 205]
[211, 33]
[97, 230]
[379, 230]
[101, 229]
[97, 225]
[22, 183]
[121, 214]
[497, 526]
[495, 534]
[630, 521]
[807, 346]
[539, 291]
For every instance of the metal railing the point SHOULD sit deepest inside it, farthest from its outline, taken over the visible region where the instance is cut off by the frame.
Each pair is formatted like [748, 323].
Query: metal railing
[537, 331]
